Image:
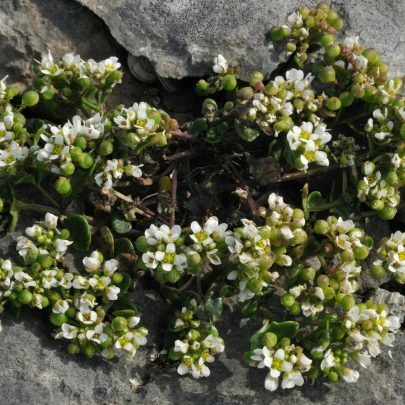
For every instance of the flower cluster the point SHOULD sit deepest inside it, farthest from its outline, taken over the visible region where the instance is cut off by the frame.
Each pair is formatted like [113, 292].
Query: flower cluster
[392, 254]
[75, 300]
[68, 76]
[380, 186]
[198, 344]
[255, 249]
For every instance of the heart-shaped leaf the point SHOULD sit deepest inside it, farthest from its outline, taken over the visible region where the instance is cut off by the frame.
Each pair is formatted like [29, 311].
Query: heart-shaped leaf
[123, 245]
[79, 232]
[119, 223]
[246, 133]
[288, 329]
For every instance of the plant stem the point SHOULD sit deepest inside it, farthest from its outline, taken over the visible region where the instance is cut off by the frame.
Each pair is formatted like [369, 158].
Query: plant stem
[199, 289]
[180, 155]
[184, 286]
[36, 207]
[174, 196]
[46, 195]
[326, 206]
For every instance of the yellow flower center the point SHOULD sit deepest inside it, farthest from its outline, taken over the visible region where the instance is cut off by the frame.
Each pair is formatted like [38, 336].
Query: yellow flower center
[310, 156]
[201, 235]
[401, 256]
[277, 364]
[123, 341]
[57, 149]
[305, 135]
[169, 258]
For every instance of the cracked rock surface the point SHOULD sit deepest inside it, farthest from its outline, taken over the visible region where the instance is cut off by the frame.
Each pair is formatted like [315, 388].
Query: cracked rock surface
[181, 37]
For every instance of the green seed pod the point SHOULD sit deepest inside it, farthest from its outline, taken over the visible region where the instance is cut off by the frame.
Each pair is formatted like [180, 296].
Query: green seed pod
[117, 277]
[327, 39]
[329, 293]
[333, 376]
[269, 340]
[313, 372]
[1, 204]
[30, 98]
[308, 274]
[175, 355]
[377, 205]
[391, 178]
[64, 234]
[287, 300]
[372, 56]
[377, 272]
[333, 50]
[172, 276]
[284, 342]
[58, 319]
[53, 297]
[38, 83]
[361, 252]
[24, 297]
[388, 213]
[295, 309]
[86, 161]
[141, 244]
[255, 285]
[277, 33]
[106, 148]
[71, 312]
[131, 139]
[119, 323]
[322, 281]
[348, 302]
[73, 348]
[346, 99]
[321, 227]
[193, 259]
[327, 74]
[89, 351]
[245, 93]
[229, 82]
[45, 261]
[20, 119]
[255, 77]
[201, 87]
[67, 169]
[84, 82]
[66, 92]
[63, 186]
[76, 153]
[290, 47]
[357, 91]
[333, 103]
[48, 94]
[80, 142]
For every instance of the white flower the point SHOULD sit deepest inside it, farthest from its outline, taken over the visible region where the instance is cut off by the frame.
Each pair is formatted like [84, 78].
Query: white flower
[271, 383]
[279, 364]
[291, 379]
[110, 266]
[295, 18]
[134, 171]
[26, 279]
[203, 235]
[54, 148]
[297, 290]
[48, 279]
[34, 231]
[81, 283]
[60, 306]
[350, 43]
[363, 359]
[244, 293]
[180, 346]
[170, 235]
[61, 247]
[220, 64]
[48, 66]
[112, 292]
[68, 332]
[150, 260]
[97, 335]
[309, 309]
[169, 258]
[328, 360]
[350, 376]
[91, 264]
[361, 62]
[132, 322]
[125, 342]
[66, 281]
[87, 318]
[51, 221]
[263, 357]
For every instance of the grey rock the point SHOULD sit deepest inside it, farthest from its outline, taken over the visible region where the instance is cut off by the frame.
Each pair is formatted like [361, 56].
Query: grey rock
[394, 300]
[29, 28]
[181, 37]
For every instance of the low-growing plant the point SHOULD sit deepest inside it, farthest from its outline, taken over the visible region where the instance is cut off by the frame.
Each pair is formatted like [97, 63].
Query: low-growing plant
[330, 107]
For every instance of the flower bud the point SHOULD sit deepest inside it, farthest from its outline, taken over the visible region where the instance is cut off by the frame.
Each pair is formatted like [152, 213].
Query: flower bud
[377, 272]
[73, 348]
[308, 274]
[333, 103]
[387, 213]
[357, 91]
[86, 161]
[106, 148]
[58, 319]
[201, 88]
[229, 82]
[348, 302]
[67, 169]
[119, 323]
[321, 227]
[333, 376]
[287, 300]
[372, 56]
[346, 99]
[277, 33]
[322, 281]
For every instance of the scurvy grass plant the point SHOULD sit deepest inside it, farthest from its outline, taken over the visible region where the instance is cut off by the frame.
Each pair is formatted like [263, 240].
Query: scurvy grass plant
[330, 107]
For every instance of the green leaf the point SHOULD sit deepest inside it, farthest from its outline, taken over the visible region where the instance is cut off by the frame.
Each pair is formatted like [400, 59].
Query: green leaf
[125, 283]
[119, 223]
[226, 290]
[199, 125]
[264, 296]
[311, 246]
[213, 309]
[88, 99]
[79, 231]
[38, 133]
[106, 244]
[126, 303]
[123, 245]
[314, 199]
[296, 275]
[246, 133]
[125, 313]
[255, 340]
[249, 309]
[276, 150]
[288, 155]
[205, 105]
[288, 329]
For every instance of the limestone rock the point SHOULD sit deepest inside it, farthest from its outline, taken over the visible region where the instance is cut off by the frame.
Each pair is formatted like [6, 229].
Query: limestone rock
[181, 37]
